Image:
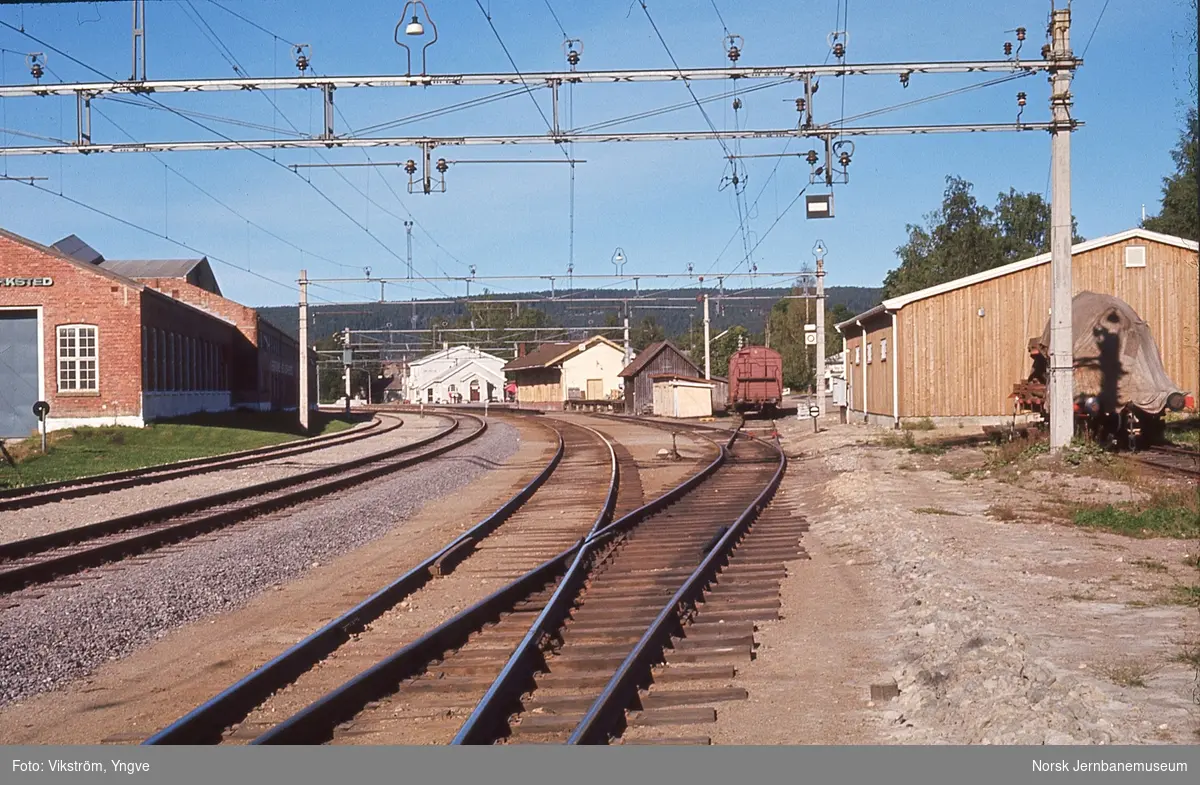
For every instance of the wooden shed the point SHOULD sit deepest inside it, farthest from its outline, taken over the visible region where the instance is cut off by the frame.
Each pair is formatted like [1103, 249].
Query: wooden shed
[657, 358]
[681, 396]
[953, 352]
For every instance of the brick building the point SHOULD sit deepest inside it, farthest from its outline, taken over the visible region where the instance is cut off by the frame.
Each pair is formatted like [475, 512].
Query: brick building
[104, 347]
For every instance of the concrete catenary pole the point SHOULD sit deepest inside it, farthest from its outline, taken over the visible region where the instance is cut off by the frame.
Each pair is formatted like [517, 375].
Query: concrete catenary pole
[408, 225]
[820, 378]
[1061, 392]
[303, 351]
[707, 348]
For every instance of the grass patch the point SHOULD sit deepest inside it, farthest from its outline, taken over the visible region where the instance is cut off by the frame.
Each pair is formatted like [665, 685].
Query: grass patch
[1002, 513]
[923, 424]
[81, 452]
[1165, 514]
[1017, 451]
[907, 467]
[1128, 673]
[934, 511]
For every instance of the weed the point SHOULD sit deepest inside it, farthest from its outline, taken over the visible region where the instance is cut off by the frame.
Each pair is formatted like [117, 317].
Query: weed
[923, 424]
[1153, 565]
[1188, 654]
[1128, 673]
[1001, 513]
[907, 467]
[1192, 561]
[1081, 451]
[934, 511]
[928, 449]
[1186, 595]
[897, 440]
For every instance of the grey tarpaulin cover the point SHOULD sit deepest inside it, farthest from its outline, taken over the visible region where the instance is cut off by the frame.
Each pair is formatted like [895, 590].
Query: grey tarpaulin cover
[1116, 358]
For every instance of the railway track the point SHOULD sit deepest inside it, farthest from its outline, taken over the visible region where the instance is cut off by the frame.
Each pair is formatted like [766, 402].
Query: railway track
[1173, 460]
[48, 493]
[562, 651]
[44, 558]
[578, 488]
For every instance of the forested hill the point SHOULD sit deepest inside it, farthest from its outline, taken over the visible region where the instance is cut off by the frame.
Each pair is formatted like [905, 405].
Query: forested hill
[563, 312]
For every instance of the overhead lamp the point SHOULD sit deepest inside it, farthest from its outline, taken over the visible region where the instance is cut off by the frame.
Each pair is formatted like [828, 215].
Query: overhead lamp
[415, 27]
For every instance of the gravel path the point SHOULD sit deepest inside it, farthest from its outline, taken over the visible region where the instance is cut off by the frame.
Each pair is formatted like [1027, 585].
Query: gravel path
[49, 518]
[68, 632]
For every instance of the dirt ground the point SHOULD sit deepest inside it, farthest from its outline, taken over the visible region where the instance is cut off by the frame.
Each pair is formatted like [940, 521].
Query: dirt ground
[1022, 630]
[126, 700]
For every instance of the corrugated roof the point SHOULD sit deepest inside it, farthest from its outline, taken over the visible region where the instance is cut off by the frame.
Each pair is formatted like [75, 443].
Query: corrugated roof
[648, 354]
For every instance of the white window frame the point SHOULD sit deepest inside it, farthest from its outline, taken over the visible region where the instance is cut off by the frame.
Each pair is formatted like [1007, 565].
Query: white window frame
[869, 353]
[858, 355]
[883, 350]
[77, 361]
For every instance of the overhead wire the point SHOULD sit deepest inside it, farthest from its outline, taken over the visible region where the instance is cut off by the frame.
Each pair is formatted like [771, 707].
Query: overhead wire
[258, 153]
[345, 179]
[172, 240]
[1095, 28]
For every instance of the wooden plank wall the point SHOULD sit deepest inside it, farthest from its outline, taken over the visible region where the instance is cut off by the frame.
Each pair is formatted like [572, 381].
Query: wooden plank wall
[539, 386]
[957, 363]
[878, 370]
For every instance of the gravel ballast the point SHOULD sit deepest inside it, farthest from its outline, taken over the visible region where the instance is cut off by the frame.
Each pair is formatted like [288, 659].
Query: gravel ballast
[51, 640]
[57, 516]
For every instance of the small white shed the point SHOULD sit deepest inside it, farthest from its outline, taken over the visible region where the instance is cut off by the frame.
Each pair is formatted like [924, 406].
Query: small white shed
[681, 396]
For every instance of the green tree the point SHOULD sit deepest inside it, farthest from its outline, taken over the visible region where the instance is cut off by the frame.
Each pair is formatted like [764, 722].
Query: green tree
[964, 237]
[647, 331]
[1180, 207]
[833, 339]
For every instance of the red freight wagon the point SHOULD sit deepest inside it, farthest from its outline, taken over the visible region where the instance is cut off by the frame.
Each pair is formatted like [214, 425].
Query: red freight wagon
[755, 379]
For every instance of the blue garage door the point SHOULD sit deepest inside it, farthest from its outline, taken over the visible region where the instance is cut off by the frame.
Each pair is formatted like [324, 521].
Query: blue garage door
[18, 372]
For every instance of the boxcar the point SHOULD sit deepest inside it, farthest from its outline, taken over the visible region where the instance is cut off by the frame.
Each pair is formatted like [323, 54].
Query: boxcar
[755, 379]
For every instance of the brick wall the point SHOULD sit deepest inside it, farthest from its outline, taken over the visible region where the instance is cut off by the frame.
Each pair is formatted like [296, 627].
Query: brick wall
[80, 296]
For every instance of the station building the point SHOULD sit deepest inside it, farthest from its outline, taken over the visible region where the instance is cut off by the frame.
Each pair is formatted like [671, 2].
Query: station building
[953, 352]
[124, 342]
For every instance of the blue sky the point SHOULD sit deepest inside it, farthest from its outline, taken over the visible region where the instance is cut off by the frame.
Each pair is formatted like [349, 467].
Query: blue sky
[661, 203]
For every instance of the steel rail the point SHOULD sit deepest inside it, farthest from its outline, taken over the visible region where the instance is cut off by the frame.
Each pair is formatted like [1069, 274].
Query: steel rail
[43, 570]
[490, 714]
[47, 493]
[1173, 456]
[314, 723]
[205, 723]
[608, 711]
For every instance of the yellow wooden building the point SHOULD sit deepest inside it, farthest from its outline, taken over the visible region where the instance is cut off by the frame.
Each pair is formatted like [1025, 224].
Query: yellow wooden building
[953, 352]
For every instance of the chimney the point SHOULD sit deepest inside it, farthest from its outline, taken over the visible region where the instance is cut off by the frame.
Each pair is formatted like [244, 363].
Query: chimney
[520, 350]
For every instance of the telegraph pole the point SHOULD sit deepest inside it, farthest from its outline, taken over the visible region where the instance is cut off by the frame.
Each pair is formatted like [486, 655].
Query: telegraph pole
[1061, 392]
[303, 353]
